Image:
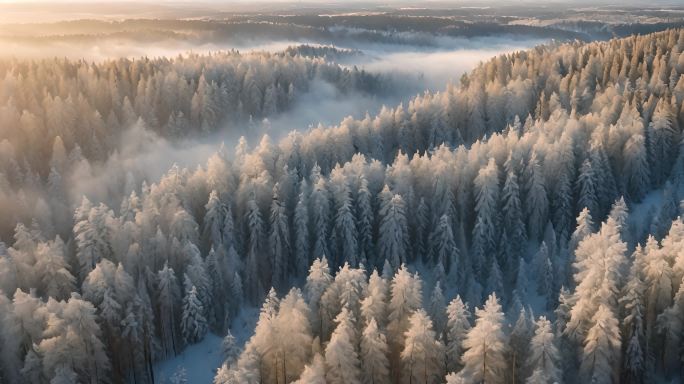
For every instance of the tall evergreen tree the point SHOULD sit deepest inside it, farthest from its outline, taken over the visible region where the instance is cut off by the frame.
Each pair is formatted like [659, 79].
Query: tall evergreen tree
[301, 227]
[279, 240]
[422, 351]
[193, 323]
[341, 357]
[486, 222]
[374, 361]
[662, 141]
[536, 202]
[393, 232]
[484, 359]
[254, 263]
[601, 348]
[458, 325]
[544, 357]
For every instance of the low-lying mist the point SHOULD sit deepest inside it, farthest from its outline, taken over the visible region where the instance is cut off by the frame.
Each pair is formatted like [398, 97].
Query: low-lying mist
[435, 66]
[146, 156]
[142, 155]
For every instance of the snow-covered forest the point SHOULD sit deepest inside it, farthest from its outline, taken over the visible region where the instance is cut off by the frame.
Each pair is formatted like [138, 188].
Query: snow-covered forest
[523, 224]
[59, 115]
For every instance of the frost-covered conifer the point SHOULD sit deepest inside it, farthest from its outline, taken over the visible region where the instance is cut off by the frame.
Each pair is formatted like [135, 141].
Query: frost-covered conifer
[458, 325]
[544, 356]
[341, 358]
[374, 352]
[422, 353]
[485, 345]
[393, 233]
[193, 323]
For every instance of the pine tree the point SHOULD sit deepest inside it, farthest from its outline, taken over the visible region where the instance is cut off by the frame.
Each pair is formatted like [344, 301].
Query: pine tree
[236, 292]
[374, 305]
[585, 227]
[519, 342]
[659, 281]
[214, 221]
[601, 348]
[57, 281]
[254, 289]
[544, 272]
[422, 353]
[196, 271]
[91, 235]
[320, 211]
[536, 202]
[620, 213]
[313, 373]
[248, 370]
[458, 326]
[562, 196]
[635, 169]
[279, 240]
[486, 222]
[169, 295]
[364, 222]
[346, 229]
[374, 362]
[600, 267]
[606, 188]
[393, 233]
[670, 324]
[263, 344]
[437, 310]
[634, 359]
[317, 283]
[662, 141]
[73, 336]
[230, 349]
[301, 228]
[292, 338]
[587, 188]
[484, 359]
[348, 289]
[217, 285]
[512, 216]
[631, 305]
[341, 358]
[229, 237]
[193, 323]
[405, 298]
[420, 228]
[444, 252]
[494, 280]
[183, 226]
[544, 357]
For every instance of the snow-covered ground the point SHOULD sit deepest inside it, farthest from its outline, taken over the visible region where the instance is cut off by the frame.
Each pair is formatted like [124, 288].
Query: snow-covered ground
[641, 214]
[200, 361]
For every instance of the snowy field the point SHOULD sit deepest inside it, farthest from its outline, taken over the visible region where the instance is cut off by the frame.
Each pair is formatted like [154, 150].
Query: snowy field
[200, 361]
